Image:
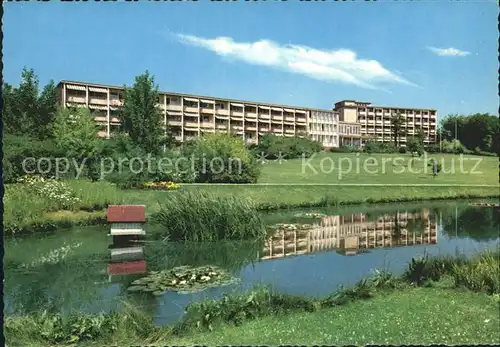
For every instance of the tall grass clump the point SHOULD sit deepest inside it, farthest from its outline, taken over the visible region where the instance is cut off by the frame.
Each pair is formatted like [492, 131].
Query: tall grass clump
[480, 274]
[199, 216]
[235, 309]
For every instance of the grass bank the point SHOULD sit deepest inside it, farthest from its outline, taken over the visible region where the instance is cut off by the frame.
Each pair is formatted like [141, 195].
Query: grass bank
[428, 304]
[298, 187]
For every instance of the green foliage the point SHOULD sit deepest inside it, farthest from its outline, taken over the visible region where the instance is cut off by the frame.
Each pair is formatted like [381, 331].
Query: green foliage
[433, 148]
[347, 149]
[222, 158]
[288, 147]
[55, 329]
[361, 290]
[379, 147]
[18, 149]
[140, 117]
[453, 146]
[476, 130]
[184, 279]
[420, 270]
[415, 144]
[480, 275]
[198, 216]
[239, 308]
[26, 111]
[75, 132]
[397, 122]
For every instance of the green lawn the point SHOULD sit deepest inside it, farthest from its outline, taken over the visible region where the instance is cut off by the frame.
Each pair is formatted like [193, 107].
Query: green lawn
[291, 184]
[414, 316]
[363, 168]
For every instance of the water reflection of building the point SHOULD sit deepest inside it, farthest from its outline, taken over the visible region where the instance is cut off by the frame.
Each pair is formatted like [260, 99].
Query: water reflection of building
[126, 251]
[354, 233]
[126, 259]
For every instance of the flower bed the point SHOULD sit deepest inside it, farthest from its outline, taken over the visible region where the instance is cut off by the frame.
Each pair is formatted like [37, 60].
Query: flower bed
[162, 185]
[183, 279]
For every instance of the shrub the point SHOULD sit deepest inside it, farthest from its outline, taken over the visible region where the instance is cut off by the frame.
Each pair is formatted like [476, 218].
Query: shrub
[198, 216]
[379, 147]
[480, 274]
[346, 149]
[433, 149]
[402, 150]
[420, 270]
[18, 148]
[222, 158]
[55, 329]
[58, 194]
[453, 146]
[289, 147]
[238, 308]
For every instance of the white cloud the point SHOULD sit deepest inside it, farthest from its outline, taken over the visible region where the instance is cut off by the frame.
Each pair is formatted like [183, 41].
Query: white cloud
[449, 52]
[340, 65]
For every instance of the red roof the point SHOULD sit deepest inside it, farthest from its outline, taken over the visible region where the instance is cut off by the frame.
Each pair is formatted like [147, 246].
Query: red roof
[127, 213]
[127, 267]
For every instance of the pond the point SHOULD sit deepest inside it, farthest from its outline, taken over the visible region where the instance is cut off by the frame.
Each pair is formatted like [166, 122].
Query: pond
[71, 270]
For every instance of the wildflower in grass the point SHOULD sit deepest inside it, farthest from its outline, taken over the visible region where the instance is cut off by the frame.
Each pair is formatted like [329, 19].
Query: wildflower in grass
[55, 191]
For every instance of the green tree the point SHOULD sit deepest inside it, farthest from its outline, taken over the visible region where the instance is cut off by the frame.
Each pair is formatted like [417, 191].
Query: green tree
[26, 111]
[479, 130]
[416, 143]
[9, 110]
[141, 119]
[47, 108]
[75, 132]
[397, 122]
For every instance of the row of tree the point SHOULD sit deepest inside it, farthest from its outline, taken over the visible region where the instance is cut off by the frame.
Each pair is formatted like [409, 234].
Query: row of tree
[479, 132]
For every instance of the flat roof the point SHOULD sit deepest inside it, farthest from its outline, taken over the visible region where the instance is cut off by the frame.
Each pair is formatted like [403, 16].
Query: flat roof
[368, 104]
[253, 103]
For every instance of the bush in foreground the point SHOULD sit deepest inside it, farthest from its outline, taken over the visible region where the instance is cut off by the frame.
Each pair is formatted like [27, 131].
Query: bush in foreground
[198, 216]
[222, 158]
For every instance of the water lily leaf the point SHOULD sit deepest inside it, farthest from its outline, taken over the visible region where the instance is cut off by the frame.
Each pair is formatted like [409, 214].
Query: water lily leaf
[135, 288]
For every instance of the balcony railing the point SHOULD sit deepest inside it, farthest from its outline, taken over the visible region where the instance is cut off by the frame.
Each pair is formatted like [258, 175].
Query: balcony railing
[97, 101]
[76, 99]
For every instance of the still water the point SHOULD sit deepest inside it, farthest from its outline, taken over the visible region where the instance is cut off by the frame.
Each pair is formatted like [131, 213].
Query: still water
[71, 270]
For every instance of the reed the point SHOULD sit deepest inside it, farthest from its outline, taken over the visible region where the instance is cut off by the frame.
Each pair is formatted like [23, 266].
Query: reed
[200, 216]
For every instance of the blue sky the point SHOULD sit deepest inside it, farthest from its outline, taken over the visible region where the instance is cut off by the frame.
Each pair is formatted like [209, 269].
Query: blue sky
[435, 54]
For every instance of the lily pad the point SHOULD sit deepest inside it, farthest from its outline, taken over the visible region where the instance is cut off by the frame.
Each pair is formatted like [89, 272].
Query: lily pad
[184, 279]
[135, 288]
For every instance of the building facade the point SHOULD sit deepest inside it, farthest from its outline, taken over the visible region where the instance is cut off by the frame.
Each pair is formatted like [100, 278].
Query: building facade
[376, 124]
[189, 116]
[323, 127]
[350, 123]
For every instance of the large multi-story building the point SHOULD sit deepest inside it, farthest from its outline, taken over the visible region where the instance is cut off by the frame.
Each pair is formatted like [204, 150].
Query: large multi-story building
[189, 116]
[375, 121]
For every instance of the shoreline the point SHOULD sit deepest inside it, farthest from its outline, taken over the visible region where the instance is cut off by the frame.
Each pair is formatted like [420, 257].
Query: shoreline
[442, 284]
[84, 217]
